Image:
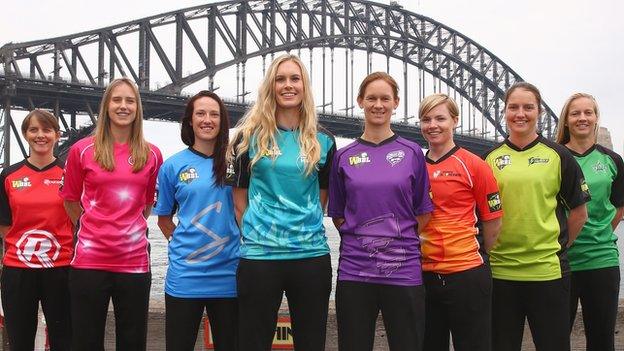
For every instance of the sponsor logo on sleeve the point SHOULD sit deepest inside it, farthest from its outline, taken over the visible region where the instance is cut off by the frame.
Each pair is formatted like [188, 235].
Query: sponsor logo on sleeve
[189, 175]
[584, 187]
[394, 157]
[359, 159]
[502, 161]
[536, 160]
[494, 202]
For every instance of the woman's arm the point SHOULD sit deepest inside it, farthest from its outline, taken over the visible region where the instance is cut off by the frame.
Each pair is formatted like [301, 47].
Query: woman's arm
[576, 220]
[422, 220]
[3, 230]
[166, 225]
[491, 229]
[338, 222]
[619, 212]
[323, 196]
[73, 210]
[240, 203]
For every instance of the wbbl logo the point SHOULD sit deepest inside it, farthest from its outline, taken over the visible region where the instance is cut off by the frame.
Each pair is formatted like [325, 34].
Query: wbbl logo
[189, 175]
[502, 161]
[494, 202]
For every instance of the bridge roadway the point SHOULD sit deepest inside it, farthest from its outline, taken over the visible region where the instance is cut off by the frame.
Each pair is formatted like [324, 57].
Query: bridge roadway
[70, 98]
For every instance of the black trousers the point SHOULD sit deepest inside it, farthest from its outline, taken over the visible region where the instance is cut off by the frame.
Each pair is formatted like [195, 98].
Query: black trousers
[261, 285]
[459, 303]
[91, 291]
[358, 305]
[597, 290]
[545, 304]
[183, 317]
[22, 290]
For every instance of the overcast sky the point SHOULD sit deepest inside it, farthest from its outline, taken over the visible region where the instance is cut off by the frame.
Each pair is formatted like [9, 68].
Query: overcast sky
[560, 46]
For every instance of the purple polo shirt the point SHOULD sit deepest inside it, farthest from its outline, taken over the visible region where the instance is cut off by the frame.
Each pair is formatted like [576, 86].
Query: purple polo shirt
[379, 189]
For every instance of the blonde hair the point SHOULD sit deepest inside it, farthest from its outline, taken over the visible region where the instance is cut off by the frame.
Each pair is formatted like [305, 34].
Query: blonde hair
[433, 101]
[139, 148]
[259, 125]
[563, 131]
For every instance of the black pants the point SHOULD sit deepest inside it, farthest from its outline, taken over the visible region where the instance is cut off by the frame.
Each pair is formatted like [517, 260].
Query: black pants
[462, 304]
[22, 290]
[91, 291]
[598, 291]
[261, 285]
[545, 304]
[183, 317]
[358, 305]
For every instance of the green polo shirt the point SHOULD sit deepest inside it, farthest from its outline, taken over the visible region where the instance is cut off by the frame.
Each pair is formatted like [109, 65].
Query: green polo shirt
[537, 185]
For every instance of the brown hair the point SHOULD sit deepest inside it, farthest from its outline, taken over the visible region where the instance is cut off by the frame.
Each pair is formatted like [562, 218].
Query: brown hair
[44, 117]
[378, 76]
[528, 87]
[220, 149]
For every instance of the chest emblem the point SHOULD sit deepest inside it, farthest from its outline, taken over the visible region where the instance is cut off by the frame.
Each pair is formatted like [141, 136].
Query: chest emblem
[189, 175]
[21, 184]
[394, 157]
[359, 159]
[502, 161]
[599, 167]
[536, 160]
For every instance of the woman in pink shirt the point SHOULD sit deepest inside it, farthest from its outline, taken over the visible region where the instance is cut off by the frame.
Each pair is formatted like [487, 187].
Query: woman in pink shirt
[109, 186]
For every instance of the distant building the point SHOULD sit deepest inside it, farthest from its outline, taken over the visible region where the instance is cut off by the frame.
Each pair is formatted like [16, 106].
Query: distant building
[604, 138]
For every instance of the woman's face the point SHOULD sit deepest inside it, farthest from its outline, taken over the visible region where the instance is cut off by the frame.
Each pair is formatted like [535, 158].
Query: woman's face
[521, 113]
[437, 126]
[206, 119]
[289, 88]
[378, 103]
[581, 118]
[122, 106]
[40, 138]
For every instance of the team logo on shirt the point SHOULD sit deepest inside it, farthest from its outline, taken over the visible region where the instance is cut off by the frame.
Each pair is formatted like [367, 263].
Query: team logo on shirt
[229, 173]
[502, 161]
[21, 184]
[394, 157]
[273, 153]
[52, 181]
[534, 160]
[189, 175]
[131, 161]
[439, 173]
[599, 167]
[38, 249]
[359, 159]
[494, 202]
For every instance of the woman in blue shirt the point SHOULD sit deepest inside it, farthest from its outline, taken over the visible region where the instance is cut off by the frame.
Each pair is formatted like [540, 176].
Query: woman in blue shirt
[204, 244]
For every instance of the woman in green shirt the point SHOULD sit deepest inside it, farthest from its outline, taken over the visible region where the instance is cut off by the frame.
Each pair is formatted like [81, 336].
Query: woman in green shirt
[594, 257]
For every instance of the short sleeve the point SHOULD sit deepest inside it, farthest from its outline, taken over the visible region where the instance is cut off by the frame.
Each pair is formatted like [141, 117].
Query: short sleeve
[617, 187]
[325, 171]
[150, 193]
[73, 176]
[421, 187]
[5, 206]
[238, 172]
[485, 191]
[574, 190]
[166, 190]
[337, 194]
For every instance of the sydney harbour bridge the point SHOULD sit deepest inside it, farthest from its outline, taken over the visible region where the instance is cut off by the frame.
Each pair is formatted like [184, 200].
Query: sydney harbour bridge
[228, 45]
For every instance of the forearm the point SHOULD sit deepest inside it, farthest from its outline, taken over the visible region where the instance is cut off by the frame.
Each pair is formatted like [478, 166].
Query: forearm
[240, 203]
[618, 217]
[323, 198]
[147, 210]
[166, 225]
[338, 222]
[576, 220]
[491, 229]
[3, 230]
[73, 210]
[422, 220]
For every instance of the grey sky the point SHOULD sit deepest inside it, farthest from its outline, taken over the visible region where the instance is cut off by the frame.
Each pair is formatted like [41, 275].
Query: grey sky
[560, 46]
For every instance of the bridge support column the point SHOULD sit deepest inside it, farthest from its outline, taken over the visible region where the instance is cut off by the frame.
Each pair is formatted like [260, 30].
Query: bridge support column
[6, 133]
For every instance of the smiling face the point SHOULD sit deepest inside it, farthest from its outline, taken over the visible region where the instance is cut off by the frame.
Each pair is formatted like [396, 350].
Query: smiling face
[521, 113]
[582, 118]
[378, 103]
[437, 126]
[206, 119]
[288, 86]
[41, 138]
[122, 106]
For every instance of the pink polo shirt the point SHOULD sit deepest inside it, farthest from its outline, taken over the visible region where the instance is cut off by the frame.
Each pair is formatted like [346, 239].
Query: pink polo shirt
[112, 232]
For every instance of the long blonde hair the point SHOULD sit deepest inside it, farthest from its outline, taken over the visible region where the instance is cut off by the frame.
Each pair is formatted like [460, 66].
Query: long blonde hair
[563, 132]
[260, 124]
[139, 148]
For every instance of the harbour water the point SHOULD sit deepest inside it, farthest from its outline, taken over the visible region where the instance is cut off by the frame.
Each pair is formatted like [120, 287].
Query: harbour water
[159, 255]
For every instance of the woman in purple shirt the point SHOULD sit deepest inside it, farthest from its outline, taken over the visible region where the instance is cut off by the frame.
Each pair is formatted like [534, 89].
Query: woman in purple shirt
[379, 200]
